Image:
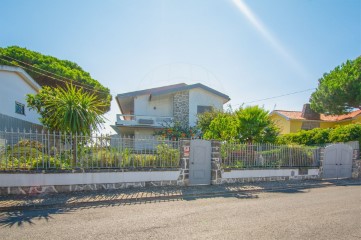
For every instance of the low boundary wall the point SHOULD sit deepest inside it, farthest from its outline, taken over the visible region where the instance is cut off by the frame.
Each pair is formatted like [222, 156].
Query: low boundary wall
[35, 183]
[233, 176]
[38, 183]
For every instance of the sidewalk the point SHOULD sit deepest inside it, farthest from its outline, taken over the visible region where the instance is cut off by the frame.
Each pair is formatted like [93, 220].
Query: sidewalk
[155, 194]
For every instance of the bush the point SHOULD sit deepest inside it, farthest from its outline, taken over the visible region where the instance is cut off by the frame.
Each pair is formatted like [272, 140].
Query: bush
[319, 136]
[347, 133]
[31, 158]
[29, 143]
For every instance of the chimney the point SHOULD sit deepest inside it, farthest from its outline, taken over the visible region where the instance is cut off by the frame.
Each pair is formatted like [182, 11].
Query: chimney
[308, 113]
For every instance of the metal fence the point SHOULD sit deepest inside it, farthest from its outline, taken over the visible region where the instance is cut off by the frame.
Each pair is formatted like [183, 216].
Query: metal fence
[20, 150]
[235, 155]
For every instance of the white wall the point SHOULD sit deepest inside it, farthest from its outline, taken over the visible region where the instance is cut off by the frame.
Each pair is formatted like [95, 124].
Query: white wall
[266, 173]
[144, 139]
[200, 97]
[163, 106]
[39, 179]
[14, 88]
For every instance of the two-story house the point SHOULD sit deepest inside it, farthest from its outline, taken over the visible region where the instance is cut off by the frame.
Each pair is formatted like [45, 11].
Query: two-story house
[15, 85]
[146, 111]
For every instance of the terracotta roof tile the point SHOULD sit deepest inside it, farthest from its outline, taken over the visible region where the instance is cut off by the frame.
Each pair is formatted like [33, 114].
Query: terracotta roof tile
[297, 115]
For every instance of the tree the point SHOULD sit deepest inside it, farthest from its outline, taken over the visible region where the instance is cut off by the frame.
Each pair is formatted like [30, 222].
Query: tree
[204, 119]
[339, 91]
[255, 125]
[222, 127]
[53, 72]
[68, 109]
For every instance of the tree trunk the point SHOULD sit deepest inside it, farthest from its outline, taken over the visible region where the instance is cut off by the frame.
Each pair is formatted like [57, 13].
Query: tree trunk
[74, 149]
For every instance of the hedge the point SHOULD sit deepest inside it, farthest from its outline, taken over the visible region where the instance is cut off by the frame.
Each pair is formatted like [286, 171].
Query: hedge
[320, 136]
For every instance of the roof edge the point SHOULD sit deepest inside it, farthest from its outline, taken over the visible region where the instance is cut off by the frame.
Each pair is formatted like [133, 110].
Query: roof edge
[23, 74]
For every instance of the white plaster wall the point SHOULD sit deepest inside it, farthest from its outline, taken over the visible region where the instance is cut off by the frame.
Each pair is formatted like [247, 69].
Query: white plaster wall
[200, 97]
[266, 173]
[14, 88]
[163, 106]
[39, 179]
[144, 139]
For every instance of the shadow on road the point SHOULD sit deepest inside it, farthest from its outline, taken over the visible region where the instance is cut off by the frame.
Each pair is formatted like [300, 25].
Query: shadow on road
[22, 218]
[46, 206]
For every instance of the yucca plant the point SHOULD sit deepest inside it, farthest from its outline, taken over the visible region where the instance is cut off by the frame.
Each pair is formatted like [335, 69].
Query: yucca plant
[69, 109]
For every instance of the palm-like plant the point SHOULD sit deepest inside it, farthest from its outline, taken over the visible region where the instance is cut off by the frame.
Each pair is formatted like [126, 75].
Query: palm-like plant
[69, 109]
[74, 110]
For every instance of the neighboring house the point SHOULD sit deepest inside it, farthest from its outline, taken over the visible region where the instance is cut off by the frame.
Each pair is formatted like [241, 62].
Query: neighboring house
[146, 111]
[15, 85]
[294, 121]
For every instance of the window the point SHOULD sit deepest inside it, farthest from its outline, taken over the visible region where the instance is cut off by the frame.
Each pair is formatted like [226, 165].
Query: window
[203, 109]
[310, 125]
[19, 108]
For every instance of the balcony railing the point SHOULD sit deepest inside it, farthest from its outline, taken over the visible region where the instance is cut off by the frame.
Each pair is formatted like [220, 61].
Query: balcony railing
[142, 120]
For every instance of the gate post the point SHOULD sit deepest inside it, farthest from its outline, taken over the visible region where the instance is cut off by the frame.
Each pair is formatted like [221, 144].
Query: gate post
[183, 179]
[216, 176]
[356, 164]
[322, 156]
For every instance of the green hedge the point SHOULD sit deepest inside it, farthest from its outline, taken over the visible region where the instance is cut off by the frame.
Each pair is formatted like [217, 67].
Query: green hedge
[319, 136]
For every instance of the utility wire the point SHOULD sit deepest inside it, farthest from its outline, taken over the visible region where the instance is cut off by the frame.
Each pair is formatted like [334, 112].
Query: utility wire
[83, 85]
[259, 100]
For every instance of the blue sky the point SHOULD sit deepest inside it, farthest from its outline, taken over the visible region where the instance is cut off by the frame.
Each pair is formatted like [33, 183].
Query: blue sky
[249, 50]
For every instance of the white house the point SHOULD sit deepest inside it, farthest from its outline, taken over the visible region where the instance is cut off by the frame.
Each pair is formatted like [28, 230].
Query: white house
[146, 111]
[15, 84]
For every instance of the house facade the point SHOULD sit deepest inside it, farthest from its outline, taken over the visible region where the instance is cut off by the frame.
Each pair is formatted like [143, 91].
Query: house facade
[146, 111]
[15, 85]
[294, 121]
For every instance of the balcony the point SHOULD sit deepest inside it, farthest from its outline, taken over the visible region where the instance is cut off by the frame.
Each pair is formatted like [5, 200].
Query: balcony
[142, 120]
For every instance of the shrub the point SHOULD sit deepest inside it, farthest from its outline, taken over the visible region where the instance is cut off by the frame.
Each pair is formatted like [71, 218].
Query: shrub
[318, 136]
[29, 143]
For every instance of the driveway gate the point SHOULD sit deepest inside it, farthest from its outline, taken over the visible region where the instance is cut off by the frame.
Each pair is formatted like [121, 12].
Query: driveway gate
[200, 162]
[337, 161]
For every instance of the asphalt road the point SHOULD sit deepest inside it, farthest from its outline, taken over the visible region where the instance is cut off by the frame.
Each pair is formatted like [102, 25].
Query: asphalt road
[319, 213]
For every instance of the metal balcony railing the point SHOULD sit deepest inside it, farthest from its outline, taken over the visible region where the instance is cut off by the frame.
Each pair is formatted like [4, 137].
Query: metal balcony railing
[142, 120]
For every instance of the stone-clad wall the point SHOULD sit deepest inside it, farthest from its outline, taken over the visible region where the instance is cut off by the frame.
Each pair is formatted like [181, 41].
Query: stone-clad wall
[216, 176]
[183, 179]
[356, 164]
[181, 107]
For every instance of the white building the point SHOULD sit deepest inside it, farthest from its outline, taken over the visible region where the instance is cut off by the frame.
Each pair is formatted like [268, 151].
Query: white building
[15, 84]
[146, 111]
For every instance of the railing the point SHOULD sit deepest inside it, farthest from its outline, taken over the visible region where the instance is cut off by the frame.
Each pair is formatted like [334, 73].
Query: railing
[235, 155]
[49, 150]
[135, 120]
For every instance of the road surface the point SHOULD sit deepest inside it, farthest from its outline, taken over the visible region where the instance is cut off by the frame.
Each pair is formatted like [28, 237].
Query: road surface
[319, 213]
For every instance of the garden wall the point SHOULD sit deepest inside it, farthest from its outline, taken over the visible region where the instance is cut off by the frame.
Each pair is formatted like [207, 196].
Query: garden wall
[232, 176]
[35, 183]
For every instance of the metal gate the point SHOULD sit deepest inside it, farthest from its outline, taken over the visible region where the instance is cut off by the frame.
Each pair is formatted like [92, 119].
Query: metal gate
[200, 162]
[337, 161]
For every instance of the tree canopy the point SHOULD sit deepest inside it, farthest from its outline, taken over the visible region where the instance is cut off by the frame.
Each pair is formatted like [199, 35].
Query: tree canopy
[339, 91]
[255, 125]
[222, 127]
[42, 67]
[249, 124]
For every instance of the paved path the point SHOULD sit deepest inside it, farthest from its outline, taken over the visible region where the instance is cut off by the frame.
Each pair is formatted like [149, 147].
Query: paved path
[123, 196]
[332, 212]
